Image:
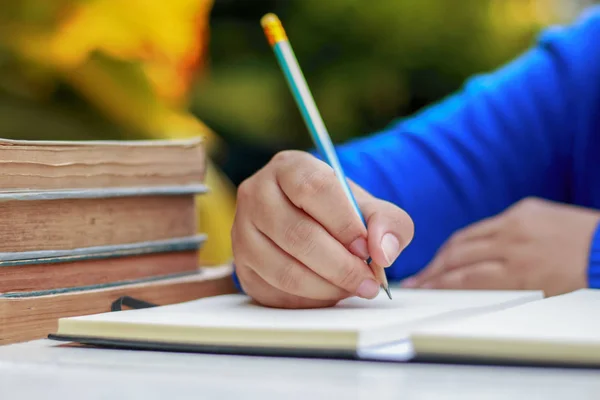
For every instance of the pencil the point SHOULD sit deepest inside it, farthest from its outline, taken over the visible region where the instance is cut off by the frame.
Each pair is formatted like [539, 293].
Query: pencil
[289, 64]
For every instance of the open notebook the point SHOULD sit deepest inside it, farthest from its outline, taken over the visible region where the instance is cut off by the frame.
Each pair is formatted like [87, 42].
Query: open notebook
[355, 328]
[558, 330]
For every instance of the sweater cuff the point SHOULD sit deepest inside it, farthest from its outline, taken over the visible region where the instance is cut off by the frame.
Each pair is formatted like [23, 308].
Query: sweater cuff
[236, 281]
[594, 260]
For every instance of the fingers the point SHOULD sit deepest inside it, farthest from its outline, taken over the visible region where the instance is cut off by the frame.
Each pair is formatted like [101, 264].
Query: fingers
[308, 242]
[390, 231]
[482, 276]
[458, 255]
[300, 236]
[472, 244]
[280, 270]
[311, 185]
[269, 296]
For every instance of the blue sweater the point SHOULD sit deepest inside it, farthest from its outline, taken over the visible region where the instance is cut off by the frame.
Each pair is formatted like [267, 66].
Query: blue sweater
[530, 128]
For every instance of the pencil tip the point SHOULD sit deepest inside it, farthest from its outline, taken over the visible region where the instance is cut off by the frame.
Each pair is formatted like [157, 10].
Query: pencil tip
[387, 291]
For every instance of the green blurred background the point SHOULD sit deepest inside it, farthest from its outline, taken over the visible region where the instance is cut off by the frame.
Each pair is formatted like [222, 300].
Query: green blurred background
[367, 62]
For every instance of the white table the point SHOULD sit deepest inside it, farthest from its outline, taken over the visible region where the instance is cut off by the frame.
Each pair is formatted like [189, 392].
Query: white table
[40, 370]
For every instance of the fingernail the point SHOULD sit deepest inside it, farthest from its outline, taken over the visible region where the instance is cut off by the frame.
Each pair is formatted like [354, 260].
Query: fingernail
[409, 283]
[359, 248]
[368, 289]
[391, 247]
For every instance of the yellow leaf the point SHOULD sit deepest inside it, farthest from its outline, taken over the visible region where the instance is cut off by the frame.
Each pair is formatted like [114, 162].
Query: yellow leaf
[120, 90]
[168, 37]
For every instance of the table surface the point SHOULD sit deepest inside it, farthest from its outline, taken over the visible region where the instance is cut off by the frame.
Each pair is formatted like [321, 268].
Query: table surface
[42, 370]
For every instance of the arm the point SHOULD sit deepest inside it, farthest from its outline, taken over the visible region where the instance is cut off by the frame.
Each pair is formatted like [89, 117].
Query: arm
[508, 135]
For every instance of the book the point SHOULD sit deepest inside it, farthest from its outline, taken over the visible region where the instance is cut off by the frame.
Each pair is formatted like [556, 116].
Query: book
[38, 277]
[46, 165]
[236, 324]
[35, 225]
[28, 316]
[61, 269]
[560, 330]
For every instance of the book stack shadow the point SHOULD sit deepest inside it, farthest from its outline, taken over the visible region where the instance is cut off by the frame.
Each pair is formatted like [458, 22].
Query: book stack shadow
[90, 227]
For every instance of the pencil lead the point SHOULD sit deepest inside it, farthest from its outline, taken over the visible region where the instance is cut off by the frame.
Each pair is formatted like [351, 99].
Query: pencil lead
[387, 291]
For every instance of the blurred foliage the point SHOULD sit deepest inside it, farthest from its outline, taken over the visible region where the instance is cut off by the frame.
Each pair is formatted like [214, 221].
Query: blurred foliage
[367, 63]
[102, 63]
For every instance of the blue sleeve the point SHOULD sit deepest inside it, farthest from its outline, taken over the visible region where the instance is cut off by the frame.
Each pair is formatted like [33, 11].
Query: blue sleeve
[594, 260]
[505, 136]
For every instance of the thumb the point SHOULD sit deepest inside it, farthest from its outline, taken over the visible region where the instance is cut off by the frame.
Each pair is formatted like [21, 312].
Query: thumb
[389, 228]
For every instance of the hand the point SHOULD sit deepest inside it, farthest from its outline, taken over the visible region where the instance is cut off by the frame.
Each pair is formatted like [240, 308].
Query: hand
[298, 243]
[534, 245]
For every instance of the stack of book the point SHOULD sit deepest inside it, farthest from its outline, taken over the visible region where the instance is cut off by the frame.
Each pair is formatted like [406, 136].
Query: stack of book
[86, 227]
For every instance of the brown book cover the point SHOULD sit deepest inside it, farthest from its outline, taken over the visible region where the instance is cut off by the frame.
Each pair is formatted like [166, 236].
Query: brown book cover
[35, 225]
[43, 165]
[87, 272]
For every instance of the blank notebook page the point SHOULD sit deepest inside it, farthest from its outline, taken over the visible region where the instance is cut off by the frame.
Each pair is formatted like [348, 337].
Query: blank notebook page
[570, 317]
[238, 312]
[562, 324]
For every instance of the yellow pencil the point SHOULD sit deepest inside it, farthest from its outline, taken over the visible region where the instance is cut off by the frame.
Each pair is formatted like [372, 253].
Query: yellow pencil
[289, 64]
